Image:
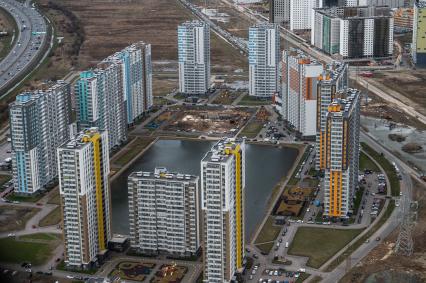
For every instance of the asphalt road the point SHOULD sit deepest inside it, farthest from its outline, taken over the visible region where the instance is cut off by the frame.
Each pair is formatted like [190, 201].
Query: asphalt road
[32, 35]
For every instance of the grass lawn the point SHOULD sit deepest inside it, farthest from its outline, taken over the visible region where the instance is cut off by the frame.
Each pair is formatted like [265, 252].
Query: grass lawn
[132, 150]
[293, 180]
[302, 277]
[266, 248]
[161, 101]
[15, 217]
[316, 279]
[4, 179]
[320, 244]
[35, 198]
[18, 251]
[6, 42]
[61, 266]
[54, 197]
[361, 240]
[41, 236]
[358, 198]
[53, 218]
[251, 129]
[252, 101]
[268, 234]
[387, 166]
[366, 163]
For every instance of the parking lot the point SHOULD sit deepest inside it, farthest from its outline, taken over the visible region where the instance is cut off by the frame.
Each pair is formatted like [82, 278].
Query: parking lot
[273, 275]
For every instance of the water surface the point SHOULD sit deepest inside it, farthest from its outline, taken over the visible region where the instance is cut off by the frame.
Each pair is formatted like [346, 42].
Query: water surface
[265, 166]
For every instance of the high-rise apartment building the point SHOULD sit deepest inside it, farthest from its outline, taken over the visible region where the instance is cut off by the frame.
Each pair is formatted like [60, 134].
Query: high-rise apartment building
[194, 57]
[100, 101]
[389, 3]
[354, 32]
[137, 78]
[164, 212]
[299, 91]
[279, 11]
[341, 153]
[83, 163]
[418, 49]
[222, 197]
[334, 79]
[39, 123]
[301, 12]
[264, 60]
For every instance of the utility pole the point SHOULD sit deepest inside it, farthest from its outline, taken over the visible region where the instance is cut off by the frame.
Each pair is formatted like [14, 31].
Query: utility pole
[407, 219]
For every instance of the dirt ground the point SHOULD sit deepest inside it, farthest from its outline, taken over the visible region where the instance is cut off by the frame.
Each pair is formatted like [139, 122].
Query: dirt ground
[379, 108]
[381, 265]
[14, 217]
[5, 25]
[112, 25]
[209, 121]
[409, 83]
[232, 21]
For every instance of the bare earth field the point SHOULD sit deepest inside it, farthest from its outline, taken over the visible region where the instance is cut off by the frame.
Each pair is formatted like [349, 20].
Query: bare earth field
[410, 84]
[111, 25]
[382, 265]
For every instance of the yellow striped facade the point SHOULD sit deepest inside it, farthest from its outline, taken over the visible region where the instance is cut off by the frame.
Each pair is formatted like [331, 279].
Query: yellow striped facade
[236, 152]
[95, 139]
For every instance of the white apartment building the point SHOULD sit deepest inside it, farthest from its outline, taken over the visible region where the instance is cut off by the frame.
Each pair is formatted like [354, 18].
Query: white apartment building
[222, 198]
[100, 101]
[264, 58]
[301, 13]
[354, 32]
[389, 3]
[299, 91]
[137, 79]
[39, 123]
[83, 164]
[279, 11]
[194, 57]
[333, 80]
[342, 153]
[164, 212]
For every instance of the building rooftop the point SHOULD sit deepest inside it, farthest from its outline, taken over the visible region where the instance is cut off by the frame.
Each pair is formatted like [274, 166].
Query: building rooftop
[344, 101]
[194, 23]
[358, 12]
[32, 95]
[78, 141]
[163, 173]
[221, 151]
[420, 4]
[301, 56]
[264, 25]
[333, 71]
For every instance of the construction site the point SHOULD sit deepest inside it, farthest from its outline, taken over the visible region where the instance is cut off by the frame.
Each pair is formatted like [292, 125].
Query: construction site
[193, 120]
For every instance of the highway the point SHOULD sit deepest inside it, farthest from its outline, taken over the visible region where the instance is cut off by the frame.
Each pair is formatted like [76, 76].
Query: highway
[29, 45]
